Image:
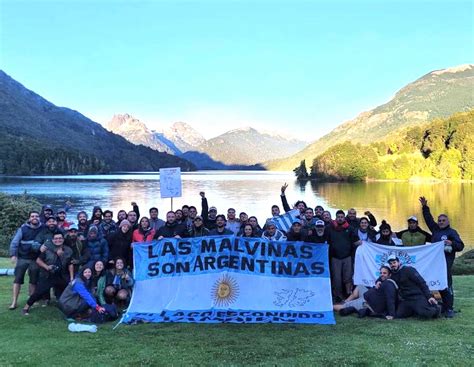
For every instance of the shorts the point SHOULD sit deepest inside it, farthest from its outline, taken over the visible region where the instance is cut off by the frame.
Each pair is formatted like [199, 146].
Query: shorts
[22, 265]
[358, 303]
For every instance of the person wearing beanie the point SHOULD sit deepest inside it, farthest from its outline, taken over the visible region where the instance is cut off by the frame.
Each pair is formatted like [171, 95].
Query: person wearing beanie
[385, 236]
[198, 229]
[97, 247]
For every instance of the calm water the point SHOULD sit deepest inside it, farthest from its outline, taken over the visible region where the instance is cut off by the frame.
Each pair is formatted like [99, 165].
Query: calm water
[254, 193]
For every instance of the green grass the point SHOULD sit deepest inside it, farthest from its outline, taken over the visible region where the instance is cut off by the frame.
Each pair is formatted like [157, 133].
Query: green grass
[43, 339]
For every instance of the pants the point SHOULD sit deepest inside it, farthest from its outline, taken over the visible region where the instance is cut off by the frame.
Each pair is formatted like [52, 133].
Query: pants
[44, 286]
[419, 307]
[341, 273]
[447, 294]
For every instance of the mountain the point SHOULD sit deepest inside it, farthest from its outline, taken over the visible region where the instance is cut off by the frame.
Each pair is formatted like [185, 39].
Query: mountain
[240, 148]
[47, 133]
[437, 94]
[178, 138]
[183, 136]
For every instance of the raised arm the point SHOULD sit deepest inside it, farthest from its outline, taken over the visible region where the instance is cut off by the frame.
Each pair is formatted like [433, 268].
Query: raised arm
[372, 220]
[427, 215]
[204, 206]
[284, 201]
[136, 209]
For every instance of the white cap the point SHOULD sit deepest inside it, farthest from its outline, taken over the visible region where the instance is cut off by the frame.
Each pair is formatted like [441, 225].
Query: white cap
[413, 218]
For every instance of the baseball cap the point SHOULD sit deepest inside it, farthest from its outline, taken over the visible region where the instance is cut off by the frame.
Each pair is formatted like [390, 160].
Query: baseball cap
[412, 218]
[213, 208]
[72, 228]
[296, 222]
[319, 223]
[197, 217]
[393, 257]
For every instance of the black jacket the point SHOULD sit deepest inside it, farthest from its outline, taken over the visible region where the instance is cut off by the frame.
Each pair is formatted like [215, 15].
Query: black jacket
[208, 223]
[410, 283]
[341, 241]
[119, 245]
[171, 230]
[384, 299]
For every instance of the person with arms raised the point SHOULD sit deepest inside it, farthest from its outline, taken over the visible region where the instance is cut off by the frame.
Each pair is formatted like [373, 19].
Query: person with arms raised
[442, 231]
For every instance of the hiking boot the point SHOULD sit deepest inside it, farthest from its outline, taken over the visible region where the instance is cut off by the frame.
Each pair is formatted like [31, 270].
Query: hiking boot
[347, 311]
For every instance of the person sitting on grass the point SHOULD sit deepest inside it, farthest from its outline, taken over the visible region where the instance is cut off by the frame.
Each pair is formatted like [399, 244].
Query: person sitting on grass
[99, 281]
[77, 298]
[377, 301]
[119, 285]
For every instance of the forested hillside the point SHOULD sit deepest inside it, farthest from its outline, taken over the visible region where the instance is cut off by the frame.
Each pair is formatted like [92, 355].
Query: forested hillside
[441, 149]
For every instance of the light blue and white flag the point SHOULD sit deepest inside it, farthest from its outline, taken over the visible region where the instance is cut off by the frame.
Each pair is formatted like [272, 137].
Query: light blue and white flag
[283, 222]
[228, 279]
[428, 260]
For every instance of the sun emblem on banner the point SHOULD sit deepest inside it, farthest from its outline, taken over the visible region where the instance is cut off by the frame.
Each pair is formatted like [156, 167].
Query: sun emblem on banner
[225, 291]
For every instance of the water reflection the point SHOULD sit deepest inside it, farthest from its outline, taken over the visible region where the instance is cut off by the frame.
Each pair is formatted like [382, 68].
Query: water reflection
[254, 193]
[396, 201]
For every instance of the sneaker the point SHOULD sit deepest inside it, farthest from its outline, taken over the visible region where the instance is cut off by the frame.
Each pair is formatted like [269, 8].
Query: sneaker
[347, 311]
[25, 312]
[449, 314]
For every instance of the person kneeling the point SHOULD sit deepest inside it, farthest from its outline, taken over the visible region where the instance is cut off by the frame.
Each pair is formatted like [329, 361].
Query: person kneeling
[77, 300]
[416, 298]
[119, 285]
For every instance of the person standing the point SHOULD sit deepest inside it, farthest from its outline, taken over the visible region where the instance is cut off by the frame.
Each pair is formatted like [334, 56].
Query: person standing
[342, 241]
[442, 231]
[23, 254]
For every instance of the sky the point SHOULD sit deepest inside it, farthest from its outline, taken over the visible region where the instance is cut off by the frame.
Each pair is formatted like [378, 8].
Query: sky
[292, 67]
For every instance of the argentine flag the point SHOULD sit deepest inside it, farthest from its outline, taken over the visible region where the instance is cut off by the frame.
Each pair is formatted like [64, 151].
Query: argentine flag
[283, 222]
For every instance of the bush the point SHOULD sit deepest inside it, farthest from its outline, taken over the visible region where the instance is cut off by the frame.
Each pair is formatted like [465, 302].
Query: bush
[464, 264]
[14, 211]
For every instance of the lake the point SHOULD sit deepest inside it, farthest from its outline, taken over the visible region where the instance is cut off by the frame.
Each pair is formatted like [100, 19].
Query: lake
[254, 193]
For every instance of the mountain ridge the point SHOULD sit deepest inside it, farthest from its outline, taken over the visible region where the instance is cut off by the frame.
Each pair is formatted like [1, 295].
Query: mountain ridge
[437, 94]
[24, 114]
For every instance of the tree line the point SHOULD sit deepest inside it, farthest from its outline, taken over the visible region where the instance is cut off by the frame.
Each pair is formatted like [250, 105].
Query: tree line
[442, 149]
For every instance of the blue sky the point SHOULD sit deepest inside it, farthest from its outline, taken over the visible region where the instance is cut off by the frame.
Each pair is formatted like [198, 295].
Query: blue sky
[299, 67]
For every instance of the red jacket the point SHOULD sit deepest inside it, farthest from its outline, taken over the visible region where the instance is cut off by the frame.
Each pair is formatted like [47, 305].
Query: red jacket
[140, 236]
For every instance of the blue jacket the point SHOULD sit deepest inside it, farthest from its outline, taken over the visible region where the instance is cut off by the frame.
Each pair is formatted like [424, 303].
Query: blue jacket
[74, 296]
[98, 249]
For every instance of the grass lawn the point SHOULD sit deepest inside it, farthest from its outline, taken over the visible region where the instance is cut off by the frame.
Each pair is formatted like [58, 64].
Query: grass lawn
[43, 339]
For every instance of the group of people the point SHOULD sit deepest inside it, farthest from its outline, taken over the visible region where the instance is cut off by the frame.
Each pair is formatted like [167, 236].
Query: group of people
[89, 264]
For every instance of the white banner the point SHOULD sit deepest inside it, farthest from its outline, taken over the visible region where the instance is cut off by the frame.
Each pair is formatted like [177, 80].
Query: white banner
[230, 279]
[429, 260]
[170, 182]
